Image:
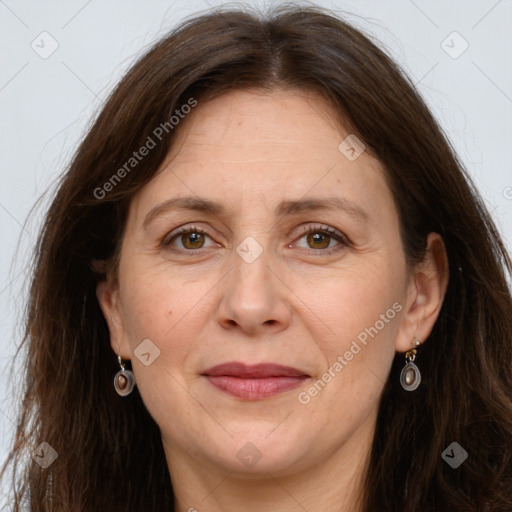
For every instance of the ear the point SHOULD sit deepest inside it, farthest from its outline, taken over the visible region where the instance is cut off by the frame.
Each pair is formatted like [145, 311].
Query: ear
[425, 295]
[107, 293]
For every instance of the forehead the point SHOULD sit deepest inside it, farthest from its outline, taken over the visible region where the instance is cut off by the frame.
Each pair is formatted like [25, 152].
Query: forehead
[257, 125]
[259, 148]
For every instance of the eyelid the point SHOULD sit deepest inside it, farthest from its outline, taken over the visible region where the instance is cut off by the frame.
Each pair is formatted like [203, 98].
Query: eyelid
[182, 229]
[333, 233]
[306, 228]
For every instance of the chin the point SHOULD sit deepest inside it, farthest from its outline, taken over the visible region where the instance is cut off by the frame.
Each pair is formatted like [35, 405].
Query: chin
[260, 453]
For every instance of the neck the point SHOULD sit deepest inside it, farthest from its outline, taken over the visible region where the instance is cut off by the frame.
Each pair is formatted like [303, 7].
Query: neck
[334, 483]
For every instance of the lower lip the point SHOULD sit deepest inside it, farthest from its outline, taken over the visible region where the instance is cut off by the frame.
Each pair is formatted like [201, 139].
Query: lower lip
[255, 389]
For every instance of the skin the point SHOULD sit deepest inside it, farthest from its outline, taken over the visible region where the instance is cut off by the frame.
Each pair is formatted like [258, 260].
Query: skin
[300, 303]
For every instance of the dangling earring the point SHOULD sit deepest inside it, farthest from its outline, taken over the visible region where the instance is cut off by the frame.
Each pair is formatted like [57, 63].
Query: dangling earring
[410, 377]
[124, 380]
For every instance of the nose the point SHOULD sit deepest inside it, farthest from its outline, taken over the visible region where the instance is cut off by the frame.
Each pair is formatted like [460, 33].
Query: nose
[254, 298]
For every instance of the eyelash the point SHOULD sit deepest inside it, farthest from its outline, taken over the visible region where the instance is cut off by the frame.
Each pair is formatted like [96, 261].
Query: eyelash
[326, 230]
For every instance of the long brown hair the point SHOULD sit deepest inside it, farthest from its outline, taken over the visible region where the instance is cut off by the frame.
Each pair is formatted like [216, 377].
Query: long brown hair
[110, 455]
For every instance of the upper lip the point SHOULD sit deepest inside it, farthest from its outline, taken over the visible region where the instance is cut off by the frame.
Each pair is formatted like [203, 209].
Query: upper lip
[246, 371]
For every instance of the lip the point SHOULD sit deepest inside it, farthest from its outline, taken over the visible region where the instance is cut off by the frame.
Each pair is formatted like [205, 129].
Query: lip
[254, 371]
[254, 382]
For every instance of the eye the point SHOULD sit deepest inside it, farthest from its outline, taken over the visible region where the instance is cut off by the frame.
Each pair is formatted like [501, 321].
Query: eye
[190, 237]
[319, 238]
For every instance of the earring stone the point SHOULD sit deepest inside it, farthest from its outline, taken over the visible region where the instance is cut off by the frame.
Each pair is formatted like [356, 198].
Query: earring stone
[410, 377]
[124, 380]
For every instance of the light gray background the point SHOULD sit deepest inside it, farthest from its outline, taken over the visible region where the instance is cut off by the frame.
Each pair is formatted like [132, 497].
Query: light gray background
[47, 103]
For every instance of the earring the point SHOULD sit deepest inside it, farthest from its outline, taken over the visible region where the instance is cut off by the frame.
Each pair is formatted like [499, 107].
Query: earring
[124, 380]
[410, 377]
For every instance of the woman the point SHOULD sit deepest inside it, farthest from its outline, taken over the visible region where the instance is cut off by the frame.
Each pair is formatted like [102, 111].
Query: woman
[266, 282]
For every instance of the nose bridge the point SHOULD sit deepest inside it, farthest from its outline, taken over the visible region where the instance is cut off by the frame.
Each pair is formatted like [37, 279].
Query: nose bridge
[253, 297]
[251, 272]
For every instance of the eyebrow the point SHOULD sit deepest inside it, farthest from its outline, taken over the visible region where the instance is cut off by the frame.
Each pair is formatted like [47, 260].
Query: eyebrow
[289, 207]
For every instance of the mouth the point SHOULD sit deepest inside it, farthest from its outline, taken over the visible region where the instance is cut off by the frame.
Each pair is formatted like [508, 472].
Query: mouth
[254, 382]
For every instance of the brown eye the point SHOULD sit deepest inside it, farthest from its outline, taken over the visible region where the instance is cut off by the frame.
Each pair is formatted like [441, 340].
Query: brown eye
[192, 240]
[186, 239]
[318, 240]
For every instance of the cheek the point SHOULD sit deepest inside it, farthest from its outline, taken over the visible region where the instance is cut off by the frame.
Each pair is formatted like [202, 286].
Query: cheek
[355, 299]
[160, 310]
[361, 308]
[158, 302]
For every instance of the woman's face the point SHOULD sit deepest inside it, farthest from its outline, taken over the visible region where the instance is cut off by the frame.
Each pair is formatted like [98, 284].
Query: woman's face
[290, 255]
